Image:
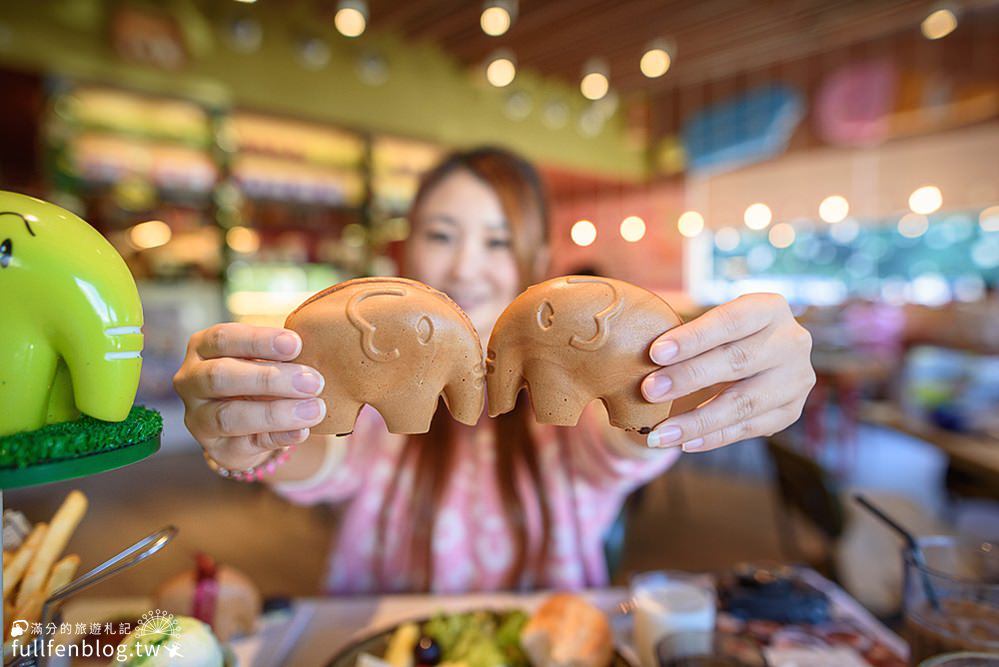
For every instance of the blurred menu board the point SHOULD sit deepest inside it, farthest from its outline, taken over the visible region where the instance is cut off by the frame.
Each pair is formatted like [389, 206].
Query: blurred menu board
[295, 161]
[396, 168]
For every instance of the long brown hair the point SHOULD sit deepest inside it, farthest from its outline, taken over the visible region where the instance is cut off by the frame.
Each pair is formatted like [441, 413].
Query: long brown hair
[430, 455]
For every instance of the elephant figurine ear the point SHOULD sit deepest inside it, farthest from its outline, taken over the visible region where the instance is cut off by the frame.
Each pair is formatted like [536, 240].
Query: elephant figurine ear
[424, 330]
[546, 315]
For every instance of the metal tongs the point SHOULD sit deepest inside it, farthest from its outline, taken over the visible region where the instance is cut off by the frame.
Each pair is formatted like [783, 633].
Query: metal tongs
[133, 555]
[125, 559]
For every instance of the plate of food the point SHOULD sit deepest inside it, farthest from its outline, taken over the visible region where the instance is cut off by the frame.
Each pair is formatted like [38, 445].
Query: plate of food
[565, 629]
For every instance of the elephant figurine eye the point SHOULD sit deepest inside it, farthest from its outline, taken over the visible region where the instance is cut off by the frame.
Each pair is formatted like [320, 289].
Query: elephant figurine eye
[6, 250]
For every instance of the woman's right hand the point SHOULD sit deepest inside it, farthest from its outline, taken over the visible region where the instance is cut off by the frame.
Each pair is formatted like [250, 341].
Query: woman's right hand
[242, 397]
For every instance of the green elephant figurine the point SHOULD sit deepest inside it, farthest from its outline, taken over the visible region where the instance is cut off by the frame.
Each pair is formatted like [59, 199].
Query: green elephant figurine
[71, 340]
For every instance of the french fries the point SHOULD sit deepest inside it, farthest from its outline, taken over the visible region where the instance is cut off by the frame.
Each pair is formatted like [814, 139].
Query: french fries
[65, 521]
[33, 572]
[62, 574]
[18, 565]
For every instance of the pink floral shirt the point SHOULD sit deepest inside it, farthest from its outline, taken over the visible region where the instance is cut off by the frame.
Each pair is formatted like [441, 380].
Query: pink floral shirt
[587, 473]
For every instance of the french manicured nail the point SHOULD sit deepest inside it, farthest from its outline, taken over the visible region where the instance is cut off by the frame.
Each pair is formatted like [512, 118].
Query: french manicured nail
[286, 344]
[665, 437]
[693, 445]
[307, 382]
[290, 437]
[663, 351]
[656, 386]
[309, 410]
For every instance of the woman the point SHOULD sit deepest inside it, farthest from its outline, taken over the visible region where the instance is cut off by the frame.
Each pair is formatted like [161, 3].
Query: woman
[507, 503]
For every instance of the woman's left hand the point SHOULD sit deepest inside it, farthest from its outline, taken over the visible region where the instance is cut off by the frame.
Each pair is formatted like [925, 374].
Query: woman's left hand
[755, 344]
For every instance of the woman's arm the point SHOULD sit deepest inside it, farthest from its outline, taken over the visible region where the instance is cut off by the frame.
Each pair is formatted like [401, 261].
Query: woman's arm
[305, 461]
[752, 343]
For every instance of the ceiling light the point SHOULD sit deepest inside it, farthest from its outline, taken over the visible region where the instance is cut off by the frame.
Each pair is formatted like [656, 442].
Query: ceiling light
[497, 16]
[926, 199]
[632, 229]
[351, 17]
[939, 23]
[834, 208]
[690, 224]
[595, 82]
[501, 69]
[757, 216]
[657, 59]
[583, 233]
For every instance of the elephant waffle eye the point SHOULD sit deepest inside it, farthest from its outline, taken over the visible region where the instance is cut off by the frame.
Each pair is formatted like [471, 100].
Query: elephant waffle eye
[490, 361]
[6, 250]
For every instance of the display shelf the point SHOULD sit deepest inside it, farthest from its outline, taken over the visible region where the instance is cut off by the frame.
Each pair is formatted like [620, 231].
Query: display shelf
[397, 165]
[295, 161]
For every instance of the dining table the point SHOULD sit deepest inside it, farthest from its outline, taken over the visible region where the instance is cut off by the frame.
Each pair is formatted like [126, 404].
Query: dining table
[312, 631]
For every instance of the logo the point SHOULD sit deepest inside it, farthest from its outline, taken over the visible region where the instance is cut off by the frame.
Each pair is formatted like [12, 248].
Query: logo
[161, 625]
[157, 622]
[18, 628]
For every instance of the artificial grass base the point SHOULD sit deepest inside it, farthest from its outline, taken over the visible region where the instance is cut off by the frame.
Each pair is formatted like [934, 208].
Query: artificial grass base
[78, 438]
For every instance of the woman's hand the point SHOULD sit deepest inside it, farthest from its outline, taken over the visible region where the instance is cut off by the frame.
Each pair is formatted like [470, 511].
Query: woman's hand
[755, 344]
[242, 399]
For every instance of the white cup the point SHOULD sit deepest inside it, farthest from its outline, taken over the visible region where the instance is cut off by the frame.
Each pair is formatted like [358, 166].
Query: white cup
[672, 606]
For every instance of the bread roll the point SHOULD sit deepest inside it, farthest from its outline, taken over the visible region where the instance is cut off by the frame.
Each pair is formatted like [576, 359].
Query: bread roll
[568, 631]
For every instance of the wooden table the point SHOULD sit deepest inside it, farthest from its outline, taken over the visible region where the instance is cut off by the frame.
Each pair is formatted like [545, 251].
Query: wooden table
[975, 454]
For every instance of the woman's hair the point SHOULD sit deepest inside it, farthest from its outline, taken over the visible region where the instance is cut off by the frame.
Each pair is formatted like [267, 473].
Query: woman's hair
[523, 200]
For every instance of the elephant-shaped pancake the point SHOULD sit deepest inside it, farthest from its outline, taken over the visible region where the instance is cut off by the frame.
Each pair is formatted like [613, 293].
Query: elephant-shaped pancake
[574, 339]
[394, 344]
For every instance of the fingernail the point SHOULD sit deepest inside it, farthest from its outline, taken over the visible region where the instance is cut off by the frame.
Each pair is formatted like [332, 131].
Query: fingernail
[656, 386]
[693, 445]
[664, 437]
[309, 410]
[290, 437]
[307, 382]
[663, 351]
[286, 344]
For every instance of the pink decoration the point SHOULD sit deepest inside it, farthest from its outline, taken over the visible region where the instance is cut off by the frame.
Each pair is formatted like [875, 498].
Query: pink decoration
[854, 104]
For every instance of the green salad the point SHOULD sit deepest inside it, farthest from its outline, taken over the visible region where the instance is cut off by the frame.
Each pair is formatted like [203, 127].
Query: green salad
[472, 639]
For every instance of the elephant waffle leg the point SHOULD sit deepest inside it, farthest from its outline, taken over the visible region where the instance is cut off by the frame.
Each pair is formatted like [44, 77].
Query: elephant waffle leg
[555, 399]
[408, 415]
[341, 413]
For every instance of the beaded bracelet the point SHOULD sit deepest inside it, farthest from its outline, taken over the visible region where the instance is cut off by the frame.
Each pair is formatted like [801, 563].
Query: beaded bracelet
[254, 473]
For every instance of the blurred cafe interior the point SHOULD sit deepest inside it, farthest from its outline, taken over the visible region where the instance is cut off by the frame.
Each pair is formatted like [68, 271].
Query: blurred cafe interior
[242, 155]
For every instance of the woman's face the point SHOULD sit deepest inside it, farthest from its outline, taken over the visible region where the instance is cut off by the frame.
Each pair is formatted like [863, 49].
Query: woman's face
[461, 245]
